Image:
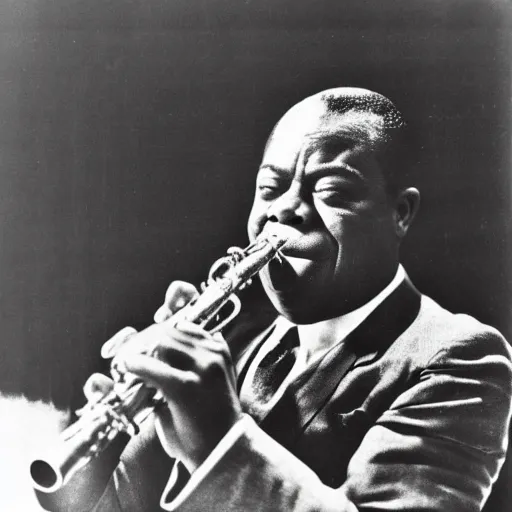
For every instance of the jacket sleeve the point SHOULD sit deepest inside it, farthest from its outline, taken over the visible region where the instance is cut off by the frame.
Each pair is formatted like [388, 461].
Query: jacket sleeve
[441, 444]
[438, 447]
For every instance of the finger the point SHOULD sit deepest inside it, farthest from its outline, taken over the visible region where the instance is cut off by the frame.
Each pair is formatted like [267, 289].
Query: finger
[189, 332]
[220, 339]
[162, 314]
[97, 386]
[154, 342]
[111, 346]
[221, 345]
[195, 333]
[178, 295]
[190, 329]
[139, 343]
[184, 331]
[177, 354]
[158, 374]
[194, 338]
[145, 342]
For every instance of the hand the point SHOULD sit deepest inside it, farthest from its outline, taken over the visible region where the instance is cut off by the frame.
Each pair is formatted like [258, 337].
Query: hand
[195, 374]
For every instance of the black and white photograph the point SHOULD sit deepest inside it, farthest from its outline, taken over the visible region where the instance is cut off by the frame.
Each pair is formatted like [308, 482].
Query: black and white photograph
[255, 255]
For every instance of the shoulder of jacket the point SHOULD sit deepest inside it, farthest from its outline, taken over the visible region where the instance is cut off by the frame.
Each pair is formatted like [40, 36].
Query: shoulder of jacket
[442, 331]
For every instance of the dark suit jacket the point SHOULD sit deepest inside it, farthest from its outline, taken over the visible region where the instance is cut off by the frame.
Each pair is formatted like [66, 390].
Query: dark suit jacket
[409, 413]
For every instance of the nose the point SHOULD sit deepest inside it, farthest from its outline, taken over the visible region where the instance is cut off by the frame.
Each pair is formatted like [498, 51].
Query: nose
[289, 208]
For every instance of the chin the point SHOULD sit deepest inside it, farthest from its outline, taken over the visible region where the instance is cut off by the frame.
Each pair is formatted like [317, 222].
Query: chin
[299, 304]
[299, 312]
[298, 287]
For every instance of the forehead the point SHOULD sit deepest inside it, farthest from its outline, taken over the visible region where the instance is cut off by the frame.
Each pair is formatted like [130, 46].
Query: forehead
[308, 132]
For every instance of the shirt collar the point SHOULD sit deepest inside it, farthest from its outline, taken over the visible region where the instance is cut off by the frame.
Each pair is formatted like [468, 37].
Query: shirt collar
[317, 338]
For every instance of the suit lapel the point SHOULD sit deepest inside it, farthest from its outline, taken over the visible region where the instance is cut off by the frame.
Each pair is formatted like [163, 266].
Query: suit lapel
[245, 358]
[312, 389]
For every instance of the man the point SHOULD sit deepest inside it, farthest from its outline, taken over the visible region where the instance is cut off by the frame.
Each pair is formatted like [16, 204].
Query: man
[388, 401]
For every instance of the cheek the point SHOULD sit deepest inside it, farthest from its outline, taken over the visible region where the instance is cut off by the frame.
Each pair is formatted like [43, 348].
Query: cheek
[337, 224]
[256, 220]
[362, 240]
[352, 234]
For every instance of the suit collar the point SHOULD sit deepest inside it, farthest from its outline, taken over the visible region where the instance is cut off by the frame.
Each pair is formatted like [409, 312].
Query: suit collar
[312, 389]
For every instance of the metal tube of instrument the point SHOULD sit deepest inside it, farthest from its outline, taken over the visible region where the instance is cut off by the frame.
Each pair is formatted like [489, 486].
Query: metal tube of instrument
[101, 421]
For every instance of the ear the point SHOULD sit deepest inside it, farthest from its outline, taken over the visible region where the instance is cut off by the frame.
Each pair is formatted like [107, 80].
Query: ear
[407, 206]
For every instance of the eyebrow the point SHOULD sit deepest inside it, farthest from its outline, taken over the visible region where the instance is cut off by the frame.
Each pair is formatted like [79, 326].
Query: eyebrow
[334, 168]
[320, 170]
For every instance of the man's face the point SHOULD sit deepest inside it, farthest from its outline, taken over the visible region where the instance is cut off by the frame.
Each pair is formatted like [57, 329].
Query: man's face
[320, 175]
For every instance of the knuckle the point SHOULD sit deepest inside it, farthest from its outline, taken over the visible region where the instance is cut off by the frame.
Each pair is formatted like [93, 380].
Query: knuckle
[219, 342]
[223, 354]
[190, 380]
[215, 365]
[222, 348]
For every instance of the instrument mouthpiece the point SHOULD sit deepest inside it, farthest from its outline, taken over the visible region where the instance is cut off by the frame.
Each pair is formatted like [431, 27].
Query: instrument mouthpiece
[280, 234]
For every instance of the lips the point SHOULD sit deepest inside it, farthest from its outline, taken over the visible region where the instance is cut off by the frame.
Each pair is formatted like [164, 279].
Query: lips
[301, 254]
[295, 268]
[310, 246]
[294, 250]
[281, 233]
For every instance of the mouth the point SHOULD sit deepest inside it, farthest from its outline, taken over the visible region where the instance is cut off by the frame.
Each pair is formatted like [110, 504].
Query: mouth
[280, 234]
[281, 274]
[293, 269]
[303, 256]
[298, 245]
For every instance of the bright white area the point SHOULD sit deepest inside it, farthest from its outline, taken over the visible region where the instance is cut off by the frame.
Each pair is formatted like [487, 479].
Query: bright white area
[26, 428]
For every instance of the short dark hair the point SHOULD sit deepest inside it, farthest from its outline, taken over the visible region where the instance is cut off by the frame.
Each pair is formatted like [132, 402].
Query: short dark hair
[395, 153]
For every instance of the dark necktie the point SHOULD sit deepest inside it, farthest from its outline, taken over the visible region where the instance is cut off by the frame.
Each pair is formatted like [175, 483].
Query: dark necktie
[274, 367]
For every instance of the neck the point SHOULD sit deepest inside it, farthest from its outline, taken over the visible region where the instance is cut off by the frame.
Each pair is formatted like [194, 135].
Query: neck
[372, 287]
[320, 336]
[356, 295]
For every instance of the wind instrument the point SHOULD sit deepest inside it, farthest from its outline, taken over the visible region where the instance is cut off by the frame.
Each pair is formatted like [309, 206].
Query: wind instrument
[131, 401]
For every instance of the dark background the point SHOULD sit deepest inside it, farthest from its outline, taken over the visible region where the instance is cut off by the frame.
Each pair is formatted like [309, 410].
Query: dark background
[130, 133]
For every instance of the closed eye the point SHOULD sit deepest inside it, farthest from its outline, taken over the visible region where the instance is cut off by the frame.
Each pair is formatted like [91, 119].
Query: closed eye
[269, 188]
[335, 191]
[334, 195]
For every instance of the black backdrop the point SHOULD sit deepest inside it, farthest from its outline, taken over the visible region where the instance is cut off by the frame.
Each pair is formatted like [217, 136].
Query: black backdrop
[130, 132]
